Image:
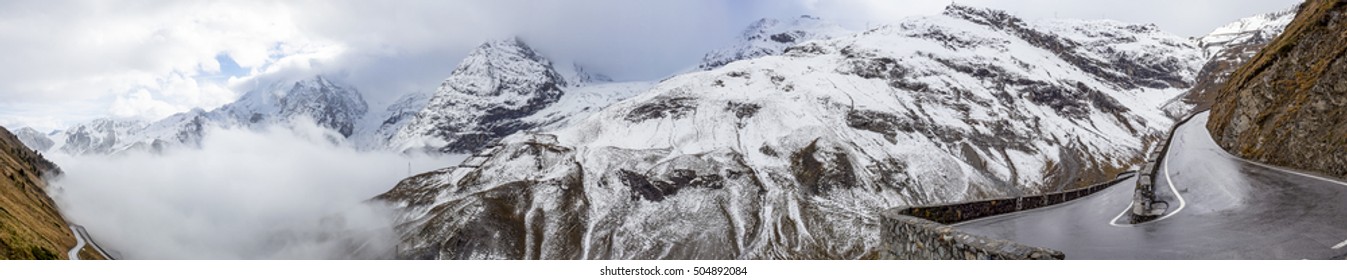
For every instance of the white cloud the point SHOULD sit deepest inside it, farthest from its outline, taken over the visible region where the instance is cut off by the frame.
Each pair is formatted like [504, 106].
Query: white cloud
[93, 52]
[139, 104]
[274, 194]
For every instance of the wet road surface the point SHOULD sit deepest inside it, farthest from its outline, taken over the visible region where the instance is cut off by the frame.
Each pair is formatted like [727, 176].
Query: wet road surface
[1232, 209]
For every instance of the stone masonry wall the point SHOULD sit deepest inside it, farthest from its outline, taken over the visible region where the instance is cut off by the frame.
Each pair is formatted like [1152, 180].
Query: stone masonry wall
[921, 233]
[1143, 199]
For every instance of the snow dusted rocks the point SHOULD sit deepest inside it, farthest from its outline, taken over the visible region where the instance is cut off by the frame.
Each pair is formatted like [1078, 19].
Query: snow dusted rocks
[101, 136]
[794, 155]
[1225, 49]
[1258, 29]
[483, 99]
[503, 87]
[770, 37]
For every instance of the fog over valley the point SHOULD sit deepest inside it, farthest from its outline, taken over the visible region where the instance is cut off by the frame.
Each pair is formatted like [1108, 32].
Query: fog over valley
[296, 192]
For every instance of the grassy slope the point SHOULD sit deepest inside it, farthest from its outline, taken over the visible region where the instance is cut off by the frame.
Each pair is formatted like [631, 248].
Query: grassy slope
[30, 226]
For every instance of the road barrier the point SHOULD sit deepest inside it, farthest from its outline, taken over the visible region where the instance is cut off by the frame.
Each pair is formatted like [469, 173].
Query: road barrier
[922, 232]
[1144, 203]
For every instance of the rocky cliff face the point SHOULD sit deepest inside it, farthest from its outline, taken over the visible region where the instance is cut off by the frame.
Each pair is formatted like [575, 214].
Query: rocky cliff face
[790, 156]
[1285, 106]
[30, 226]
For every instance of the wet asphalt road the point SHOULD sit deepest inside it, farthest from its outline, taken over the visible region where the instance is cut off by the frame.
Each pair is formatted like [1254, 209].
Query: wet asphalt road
[1233, 209]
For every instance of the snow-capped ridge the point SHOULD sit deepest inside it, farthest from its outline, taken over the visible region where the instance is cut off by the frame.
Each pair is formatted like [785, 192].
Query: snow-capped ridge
[34, 139]
[769, 36]
[328, 103]
[333, 105]
[1129, 56]
[1254, 29]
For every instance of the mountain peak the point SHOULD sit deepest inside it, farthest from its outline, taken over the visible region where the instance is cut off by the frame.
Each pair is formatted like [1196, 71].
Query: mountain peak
[480, 101]
[496, 59]
[34, 139]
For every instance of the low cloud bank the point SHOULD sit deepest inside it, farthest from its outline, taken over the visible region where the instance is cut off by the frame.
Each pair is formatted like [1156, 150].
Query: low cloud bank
[283, 193]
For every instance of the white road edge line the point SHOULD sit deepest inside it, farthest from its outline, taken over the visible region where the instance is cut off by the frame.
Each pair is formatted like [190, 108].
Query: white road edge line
[1115, 223]
[73, 254]
[1170, 181]
[1290, 171]
[1340, 245]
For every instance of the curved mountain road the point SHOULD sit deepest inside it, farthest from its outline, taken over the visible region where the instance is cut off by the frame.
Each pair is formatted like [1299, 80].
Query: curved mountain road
[82, 239]
[74, 253]
[1231, 209]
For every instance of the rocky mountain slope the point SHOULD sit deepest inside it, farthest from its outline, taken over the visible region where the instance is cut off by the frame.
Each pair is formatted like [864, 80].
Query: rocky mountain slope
[30, 226]
[1285, 106]
[1226, 48]
[34, 139]
[790, 156]
[770, 37]
[503, 87]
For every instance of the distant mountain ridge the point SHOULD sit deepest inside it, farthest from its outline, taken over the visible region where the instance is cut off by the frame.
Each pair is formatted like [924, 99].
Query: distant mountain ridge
[329, 104]
[502, 87]
[1226, 48]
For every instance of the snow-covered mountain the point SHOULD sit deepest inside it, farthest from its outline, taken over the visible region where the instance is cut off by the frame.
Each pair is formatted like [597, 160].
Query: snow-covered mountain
[1250, 30]
[328, 103]
[502, 87]
[34, 139]
[101, 136]
[790, 156]
[772, 36]
[331, 105]
[578, 76]
[1226, 48]
[378, 128]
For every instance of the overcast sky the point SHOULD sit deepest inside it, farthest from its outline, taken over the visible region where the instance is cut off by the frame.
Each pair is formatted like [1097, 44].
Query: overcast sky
[63, 62]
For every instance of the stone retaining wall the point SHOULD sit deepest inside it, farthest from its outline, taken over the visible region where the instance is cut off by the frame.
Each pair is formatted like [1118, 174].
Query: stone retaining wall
[921, 233]
[1143, 199]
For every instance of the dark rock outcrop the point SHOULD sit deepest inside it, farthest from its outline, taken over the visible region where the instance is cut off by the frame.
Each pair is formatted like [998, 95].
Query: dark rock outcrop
[1285, 107]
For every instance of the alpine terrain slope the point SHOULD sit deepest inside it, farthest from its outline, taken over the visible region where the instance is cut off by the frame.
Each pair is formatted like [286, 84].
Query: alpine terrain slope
[1225, 49]
[502, 87]
[30, 226]
[788, 156]
[1285, 106]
